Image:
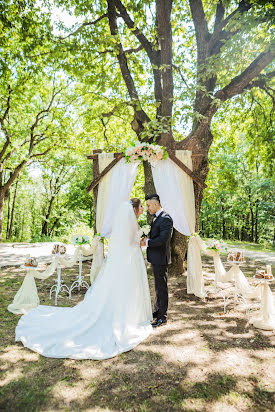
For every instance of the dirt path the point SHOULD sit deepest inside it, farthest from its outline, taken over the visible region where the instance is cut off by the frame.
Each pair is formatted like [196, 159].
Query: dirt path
[202, 360]
[14, 254]
[259, 256]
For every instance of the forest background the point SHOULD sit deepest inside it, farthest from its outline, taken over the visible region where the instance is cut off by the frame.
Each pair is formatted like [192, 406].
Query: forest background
[59, 102]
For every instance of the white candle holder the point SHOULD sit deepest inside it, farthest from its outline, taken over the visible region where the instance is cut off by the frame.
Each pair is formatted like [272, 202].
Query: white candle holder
[59, 285]
[80, 282]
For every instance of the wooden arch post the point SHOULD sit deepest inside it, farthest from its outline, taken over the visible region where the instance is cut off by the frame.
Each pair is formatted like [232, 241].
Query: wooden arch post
[95, 175]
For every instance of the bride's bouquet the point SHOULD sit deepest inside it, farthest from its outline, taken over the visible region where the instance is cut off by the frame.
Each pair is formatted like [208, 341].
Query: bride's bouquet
[217, 245]
[79, 240]
[145, 230]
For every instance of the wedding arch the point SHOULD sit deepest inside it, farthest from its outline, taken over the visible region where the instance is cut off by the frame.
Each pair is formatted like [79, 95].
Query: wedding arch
[113, 179]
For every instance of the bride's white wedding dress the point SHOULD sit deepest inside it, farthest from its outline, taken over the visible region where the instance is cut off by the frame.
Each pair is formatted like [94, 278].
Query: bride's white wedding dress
[115, 314]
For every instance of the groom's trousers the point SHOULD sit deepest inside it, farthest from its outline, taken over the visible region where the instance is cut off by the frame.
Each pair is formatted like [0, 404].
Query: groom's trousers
[161, 302]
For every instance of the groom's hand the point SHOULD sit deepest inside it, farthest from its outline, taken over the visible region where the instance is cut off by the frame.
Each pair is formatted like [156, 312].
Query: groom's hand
[143, 241]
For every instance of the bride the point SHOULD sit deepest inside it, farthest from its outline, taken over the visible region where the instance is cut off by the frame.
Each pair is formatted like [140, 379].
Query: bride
[116, 311]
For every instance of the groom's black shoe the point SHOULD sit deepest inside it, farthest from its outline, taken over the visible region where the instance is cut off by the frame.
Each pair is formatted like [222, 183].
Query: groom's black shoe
[158, 322]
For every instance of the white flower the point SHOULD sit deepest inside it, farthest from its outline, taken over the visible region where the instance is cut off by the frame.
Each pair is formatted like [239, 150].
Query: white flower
[146, 229]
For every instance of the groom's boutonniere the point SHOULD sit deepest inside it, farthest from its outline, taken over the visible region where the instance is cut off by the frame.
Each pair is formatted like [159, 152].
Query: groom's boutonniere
[145, 230]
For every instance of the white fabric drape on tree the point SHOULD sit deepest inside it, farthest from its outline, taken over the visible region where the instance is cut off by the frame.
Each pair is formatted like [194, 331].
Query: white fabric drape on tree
[176, 192]
[114, 188]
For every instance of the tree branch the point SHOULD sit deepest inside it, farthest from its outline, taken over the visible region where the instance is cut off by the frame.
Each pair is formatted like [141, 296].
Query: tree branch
[134, 50]
[239, 83]
[261, 81]
[41, 154]
[88, 23]
[236, 86]
[14, 175]
[132, 26]
[244, 6]
[164, 8]
[201, 26]
[40, 116]
[140, 115]
[2, 123]
[219, 14]
[181, 75]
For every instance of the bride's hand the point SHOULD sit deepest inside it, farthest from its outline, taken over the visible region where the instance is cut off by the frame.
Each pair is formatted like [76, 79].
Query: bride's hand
[143, 242]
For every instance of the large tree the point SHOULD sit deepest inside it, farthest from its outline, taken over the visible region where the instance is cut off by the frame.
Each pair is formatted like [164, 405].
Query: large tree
[174, 63]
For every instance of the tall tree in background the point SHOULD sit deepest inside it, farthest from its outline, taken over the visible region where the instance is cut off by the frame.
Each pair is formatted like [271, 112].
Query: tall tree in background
[172, 56]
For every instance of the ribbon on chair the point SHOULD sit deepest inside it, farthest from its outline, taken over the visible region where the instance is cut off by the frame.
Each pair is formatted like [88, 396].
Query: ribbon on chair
[26, 297]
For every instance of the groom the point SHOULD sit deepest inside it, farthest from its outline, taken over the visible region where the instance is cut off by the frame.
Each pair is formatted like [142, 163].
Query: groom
[159, 255]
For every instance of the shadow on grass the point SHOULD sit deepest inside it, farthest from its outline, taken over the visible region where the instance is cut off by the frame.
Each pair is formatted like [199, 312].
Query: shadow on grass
[149, 378]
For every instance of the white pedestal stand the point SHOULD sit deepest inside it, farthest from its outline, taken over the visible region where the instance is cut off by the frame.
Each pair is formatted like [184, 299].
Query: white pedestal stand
[59, 286]
[80, 282]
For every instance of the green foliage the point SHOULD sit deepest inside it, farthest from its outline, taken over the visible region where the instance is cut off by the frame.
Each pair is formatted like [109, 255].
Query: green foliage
[43, 57]
[239, 200]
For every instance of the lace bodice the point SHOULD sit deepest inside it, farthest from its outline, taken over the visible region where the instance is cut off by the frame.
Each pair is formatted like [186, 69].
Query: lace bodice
[138, 236]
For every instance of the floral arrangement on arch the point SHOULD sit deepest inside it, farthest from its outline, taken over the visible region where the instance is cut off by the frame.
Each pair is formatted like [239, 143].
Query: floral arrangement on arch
[99, 237]
[217, 245]
[145, 151]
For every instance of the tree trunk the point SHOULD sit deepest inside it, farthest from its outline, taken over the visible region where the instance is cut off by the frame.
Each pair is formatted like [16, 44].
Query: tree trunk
[256, 221]
[223, 224]
[8, 217]
[149, 186]
[45, 223]
[54, 225]
[2, 197]
[202, 227]
[9, 233]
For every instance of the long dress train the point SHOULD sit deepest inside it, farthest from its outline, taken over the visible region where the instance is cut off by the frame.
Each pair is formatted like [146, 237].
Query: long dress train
[115, 314]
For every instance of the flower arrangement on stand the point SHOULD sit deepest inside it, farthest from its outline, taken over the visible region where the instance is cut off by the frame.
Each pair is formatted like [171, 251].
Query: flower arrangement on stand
[80, 240]
[217, 245]
[145, 151]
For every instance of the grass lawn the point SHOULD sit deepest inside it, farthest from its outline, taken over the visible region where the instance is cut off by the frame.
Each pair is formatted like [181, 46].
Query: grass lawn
[202, 360]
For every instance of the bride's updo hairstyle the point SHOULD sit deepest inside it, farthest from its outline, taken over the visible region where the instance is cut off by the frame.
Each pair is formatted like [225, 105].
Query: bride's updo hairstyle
[135, 201]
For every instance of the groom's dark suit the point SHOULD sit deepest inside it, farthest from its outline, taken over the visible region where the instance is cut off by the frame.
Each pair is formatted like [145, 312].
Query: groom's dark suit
[159, 255]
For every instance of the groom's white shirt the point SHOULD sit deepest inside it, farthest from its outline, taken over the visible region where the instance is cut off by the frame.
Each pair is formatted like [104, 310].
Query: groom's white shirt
[156, 215]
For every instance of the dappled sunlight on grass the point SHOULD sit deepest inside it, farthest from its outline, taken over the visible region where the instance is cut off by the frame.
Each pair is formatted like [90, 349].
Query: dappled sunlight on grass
[13, 354]
[10, 375]
[201, 360]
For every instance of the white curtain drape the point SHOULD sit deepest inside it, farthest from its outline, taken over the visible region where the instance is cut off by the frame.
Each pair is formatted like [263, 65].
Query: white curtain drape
[114, 188]
[167, 176]
[104, 159]
[121, 184]
[176, 191]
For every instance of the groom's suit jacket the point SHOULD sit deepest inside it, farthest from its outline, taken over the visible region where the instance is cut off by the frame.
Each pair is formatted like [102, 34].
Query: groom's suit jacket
[158, 249]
